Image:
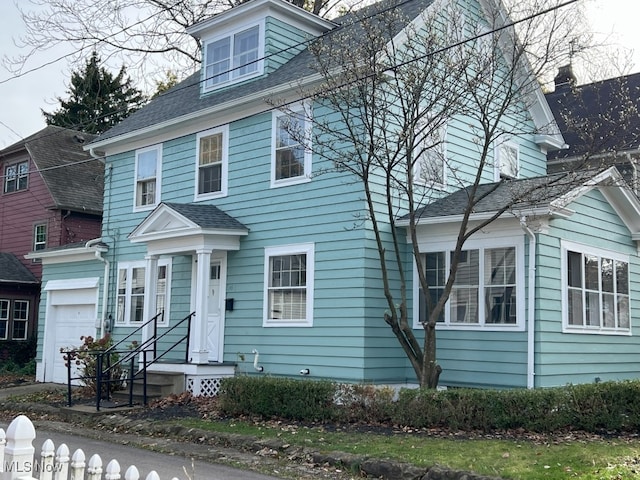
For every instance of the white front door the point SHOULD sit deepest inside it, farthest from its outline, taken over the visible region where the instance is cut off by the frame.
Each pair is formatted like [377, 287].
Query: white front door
[215, 308]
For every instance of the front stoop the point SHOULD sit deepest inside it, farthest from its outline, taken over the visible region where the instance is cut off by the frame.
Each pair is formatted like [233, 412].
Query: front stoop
[159, 385]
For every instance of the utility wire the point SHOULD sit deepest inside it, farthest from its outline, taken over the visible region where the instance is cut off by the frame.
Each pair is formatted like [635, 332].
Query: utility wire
[345, 84]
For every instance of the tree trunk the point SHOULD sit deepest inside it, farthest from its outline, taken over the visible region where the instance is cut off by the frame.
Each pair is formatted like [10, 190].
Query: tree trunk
[430, 368]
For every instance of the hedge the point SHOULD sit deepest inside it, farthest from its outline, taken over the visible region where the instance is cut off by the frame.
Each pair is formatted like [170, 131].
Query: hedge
[608, 406]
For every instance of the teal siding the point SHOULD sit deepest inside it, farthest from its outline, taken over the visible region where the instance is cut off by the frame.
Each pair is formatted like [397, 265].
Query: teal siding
[563, 358]
[282, 43]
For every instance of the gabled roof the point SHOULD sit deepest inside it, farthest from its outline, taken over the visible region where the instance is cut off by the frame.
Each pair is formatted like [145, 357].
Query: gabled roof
[597, 118]
[74, 179]
[184, 101]
[12, 271]
[538, 196]
[176, 227]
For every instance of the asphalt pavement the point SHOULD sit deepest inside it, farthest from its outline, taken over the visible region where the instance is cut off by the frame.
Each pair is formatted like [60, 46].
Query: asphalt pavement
[177, 464]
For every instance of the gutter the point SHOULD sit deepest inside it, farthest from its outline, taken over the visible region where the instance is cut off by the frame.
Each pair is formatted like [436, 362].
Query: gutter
[531, 300]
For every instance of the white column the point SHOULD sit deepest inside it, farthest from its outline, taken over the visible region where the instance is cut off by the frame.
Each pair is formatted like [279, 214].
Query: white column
[150, 283]
[199, 351]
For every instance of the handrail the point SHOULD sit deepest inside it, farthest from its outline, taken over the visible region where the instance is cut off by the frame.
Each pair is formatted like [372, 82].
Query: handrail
[132, 354]
[103, 372]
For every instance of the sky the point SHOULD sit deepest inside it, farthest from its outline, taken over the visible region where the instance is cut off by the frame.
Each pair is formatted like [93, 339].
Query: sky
[22, 99]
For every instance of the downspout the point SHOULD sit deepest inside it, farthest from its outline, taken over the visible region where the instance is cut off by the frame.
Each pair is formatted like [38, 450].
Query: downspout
[105, 283]
[531, 303]
[98, 253]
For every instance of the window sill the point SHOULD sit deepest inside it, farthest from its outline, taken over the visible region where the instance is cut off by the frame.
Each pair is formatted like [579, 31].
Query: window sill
[597, 331]
[290, 181]
[292, 323]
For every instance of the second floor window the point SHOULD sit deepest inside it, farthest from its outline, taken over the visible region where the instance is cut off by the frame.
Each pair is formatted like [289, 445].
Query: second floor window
[431, 152]
[212, 163]
[232, 57]
[291, 159]
[147, 188]
[507, 161]
[39, 237]
[15, 177]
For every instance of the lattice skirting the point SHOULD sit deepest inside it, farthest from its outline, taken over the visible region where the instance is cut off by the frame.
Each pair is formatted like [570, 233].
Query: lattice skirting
[204, 385]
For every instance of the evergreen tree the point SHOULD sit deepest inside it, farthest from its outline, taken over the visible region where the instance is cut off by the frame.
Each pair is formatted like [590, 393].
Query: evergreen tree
[97, 99]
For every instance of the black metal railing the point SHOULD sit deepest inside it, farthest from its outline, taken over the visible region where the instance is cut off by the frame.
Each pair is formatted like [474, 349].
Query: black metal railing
[127, 360]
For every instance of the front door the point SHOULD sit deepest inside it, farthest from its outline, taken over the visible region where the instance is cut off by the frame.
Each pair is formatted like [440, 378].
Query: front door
[214, 317]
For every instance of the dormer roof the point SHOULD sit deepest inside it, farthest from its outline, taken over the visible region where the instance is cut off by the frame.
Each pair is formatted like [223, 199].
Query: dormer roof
[256, 9]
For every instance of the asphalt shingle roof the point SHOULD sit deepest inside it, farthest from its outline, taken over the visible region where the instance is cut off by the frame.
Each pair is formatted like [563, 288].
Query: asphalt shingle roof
[527, 193]
[74, 179]
[185, 98]
[599, 117]
[207, 216]
[12, 271]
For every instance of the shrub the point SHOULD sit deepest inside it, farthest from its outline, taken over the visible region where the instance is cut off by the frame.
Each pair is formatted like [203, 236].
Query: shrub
[16, 354]
[277, 397]
[610, 406]
[86, 359]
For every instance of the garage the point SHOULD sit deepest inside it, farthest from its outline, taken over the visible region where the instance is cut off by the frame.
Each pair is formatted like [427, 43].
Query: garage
[72, 308]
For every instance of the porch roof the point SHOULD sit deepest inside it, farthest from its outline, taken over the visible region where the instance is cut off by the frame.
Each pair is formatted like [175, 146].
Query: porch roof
[12, 271]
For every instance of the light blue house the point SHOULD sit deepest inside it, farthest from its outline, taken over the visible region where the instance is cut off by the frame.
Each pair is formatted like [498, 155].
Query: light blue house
[215, 217]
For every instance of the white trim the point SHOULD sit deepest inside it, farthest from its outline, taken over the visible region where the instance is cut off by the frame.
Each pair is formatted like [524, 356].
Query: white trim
[498, 152]
[565, 246]
[232, 69]
[158, 178]
[306, 177]
[224, 130]
[307, 249]
[71, 284]
[129, 266]
[516, 241]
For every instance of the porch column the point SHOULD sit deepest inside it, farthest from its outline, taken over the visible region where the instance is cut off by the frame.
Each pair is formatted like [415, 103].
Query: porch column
[150, 283]
[199, 334]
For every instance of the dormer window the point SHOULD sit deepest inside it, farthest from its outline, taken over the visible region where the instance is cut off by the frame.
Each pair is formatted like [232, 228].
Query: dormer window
[236, 56]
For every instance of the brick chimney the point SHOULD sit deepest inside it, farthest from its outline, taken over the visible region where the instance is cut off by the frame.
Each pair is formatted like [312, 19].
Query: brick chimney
[565, 77]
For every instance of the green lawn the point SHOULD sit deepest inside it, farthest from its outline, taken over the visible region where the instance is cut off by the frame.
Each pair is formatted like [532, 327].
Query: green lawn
[560, 457]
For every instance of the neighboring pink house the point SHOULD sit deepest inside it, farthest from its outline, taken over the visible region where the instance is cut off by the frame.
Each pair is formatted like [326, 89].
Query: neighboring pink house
[50, 196]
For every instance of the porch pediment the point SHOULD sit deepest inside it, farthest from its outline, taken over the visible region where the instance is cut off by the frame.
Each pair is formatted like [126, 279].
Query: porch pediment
[174, 227]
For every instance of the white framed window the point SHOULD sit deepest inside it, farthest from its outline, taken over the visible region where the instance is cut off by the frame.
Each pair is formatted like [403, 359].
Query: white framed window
[507, 160]
[290, 152]
[4, 318]
[431, 155]
[16, 177]
[288, 286]
[235, 56]
[20, 320]
[595, 290]
[212, 148]
[147, 177]
[131, 292]
[39, 237]
[488, 291]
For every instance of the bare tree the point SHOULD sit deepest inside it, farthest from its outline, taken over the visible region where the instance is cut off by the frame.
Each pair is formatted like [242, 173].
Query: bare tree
[146, 35]
[386, 94]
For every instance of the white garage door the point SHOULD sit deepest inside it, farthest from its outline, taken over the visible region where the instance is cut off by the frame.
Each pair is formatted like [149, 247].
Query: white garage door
[72, 322]
[71, 314]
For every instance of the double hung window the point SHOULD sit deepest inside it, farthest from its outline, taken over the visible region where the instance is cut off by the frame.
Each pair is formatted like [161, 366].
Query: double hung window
[16, 177]
[291, 155]
[485, 291]
[212, 151]
[147, 174]
[14, 318]
[507, 162]
[596, 291]
[289, 285]
[430, 162]
[235, 56]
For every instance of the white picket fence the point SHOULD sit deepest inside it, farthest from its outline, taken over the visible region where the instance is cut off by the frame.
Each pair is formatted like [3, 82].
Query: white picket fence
[17, 459]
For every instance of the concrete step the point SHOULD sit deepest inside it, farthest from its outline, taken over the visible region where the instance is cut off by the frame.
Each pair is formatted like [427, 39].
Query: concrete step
[159, 385]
